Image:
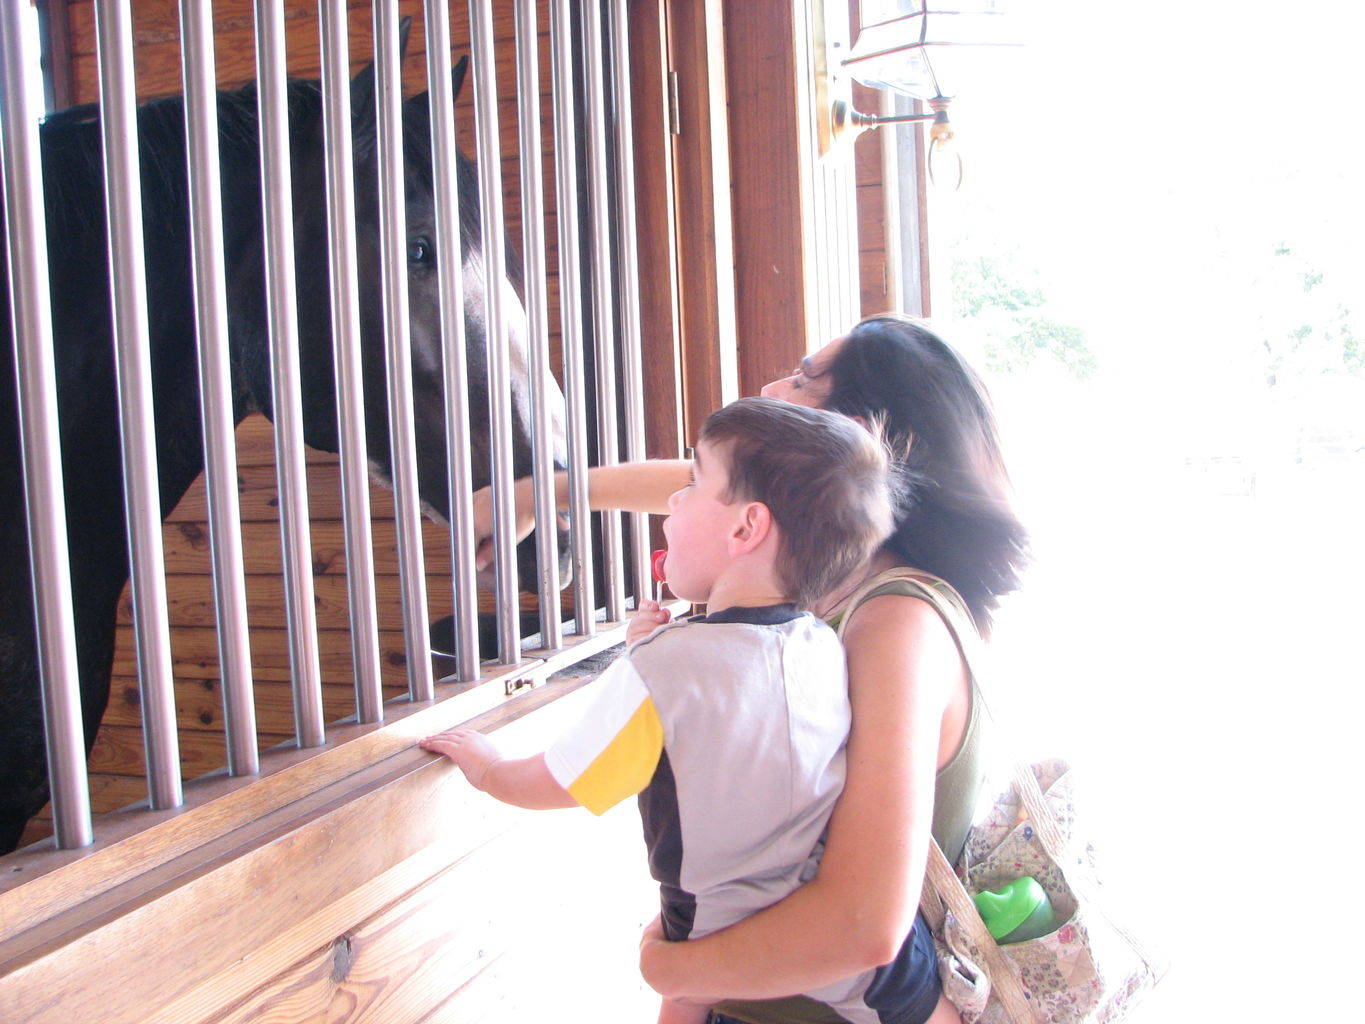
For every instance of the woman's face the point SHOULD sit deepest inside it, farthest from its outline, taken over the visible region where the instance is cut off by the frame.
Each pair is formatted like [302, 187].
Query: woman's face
[809, 384]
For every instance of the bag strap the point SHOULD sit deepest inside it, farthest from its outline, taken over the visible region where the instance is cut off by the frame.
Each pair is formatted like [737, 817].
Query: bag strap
[1082, 883]
[942, 888]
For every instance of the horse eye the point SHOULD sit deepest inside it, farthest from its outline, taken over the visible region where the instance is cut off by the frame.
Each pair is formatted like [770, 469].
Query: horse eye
[419, 251]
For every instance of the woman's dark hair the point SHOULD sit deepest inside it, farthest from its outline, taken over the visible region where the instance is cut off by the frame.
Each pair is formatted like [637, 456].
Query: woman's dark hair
[953, 514]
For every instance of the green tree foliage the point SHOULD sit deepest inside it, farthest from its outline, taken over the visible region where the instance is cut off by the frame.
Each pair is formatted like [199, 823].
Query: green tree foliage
[1308, 329]
[1011, 311]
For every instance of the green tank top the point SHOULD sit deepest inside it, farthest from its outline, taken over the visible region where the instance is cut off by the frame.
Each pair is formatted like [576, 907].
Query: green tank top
[958, 783]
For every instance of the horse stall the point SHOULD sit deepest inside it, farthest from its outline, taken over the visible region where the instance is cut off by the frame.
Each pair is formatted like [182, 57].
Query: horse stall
[252, 402]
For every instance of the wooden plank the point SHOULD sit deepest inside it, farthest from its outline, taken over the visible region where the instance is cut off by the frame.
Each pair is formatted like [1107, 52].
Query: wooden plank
[764, 134]
[872, 273]
[156, 31]
[119, 751]
[186, 547]
[259, 496]
[89, 963]
[40, 884]
[193, 606]
[199, 704]
[194, 655]
[871, 220]
[706, 284]
[414, 954]
[655, 230]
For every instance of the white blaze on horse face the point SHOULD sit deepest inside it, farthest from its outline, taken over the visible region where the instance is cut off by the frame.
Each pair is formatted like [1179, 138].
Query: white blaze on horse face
[517, 331]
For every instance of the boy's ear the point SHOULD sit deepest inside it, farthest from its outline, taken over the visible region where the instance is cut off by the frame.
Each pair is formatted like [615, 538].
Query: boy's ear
[751, 528]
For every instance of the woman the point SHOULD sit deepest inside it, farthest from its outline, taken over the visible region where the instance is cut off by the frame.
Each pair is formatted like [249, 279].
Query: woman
[914, 766]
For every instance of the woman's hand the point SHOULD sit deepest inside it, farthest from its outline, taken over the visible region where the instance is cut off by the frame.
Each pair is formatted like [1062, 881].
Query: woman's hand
[653, 942]
[650, 939]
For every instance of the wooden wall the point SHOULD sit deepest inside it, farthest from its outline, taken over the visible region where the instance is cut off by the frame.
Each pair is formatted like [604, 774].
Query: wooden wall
[116, 764]
[365, 882]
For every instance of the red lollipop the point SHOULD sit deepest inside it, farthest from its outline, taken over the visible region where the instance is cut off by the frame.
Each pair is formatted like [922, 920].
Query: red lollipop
[657, 564]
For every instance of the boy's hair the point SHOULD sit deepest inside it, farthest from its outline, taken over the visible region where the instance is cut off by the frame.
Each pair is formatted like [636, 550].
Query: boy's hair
[823, 477]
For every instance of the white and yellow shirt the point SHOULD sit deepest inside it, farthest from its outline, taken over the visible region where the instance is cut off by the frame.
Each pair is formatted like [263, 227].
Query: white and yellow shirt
[731, 728]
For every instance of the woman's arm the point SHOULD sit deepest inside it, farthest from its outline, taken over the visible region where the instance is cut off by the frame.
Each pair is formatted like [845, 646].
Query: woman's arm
[903, 668]
[627, 486]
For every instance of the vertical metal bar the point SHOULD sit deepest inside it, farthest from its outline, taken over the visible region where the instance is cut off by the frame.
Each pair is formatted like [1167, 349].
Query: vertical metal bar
[537, 320]
[495, 334]
[450, 279]
[608, 444]
[889, 143]
[394, 280]
[628, 277]
[142, 501]
[282, 311]
[215, 391]
[355, 493]
[562, 65]
[35, 372]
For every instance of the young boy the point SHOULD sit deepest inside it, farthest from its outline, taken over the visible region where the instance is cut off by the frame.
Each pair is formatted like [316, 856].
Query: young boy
[730, 726]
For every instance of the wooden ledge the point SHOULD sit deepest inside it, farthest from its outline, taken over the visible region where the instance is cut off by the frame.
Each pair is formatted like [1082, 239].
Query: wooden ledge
[39, 883]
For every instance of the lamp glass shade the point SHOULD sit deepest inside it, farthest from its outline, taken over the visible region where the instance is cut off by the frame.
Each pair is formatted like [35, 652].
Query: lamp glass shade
[924, 54]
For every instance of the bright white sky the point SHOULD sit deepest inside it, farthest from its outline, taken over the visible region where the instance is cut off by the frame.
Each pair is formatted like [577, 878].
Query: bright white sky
[1151, 164]
[1198, 651]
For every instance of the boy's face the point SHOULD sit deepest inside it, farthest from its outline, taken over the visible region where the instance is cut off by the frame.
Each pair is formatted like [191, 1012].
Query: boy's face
[699, 523]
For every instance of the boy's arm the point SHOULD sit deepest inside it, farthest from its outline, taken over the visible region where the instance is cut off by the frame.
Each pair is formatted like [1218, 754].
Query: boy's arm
[522, 782]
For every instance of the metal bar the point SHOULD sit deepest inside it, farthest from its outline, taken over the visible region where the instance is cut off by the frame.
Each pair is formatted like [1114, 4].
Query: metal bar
[451, 284]
[35, 371]
[282, 312]
[891, 206]
[215, 385]
[142, 500]
[355, 484]
[628, 278]
[599, 203]
[495, 333]
[394, 281]
[562, 65]
[537, 321]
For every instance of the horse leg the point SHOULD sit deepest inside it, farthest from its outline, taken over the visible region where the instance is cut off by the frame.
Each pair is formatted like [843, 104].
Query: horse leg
[23, 760]
[23, 748]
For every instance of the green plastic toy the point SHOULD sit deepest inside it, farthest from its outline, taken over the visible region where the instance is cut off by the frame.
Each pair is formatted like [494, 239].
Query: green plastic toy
[1016, 911]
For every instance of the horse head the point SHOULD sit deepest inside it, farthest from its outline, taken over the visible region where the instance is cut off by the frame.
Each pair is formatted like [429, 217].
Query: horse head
[426, 338]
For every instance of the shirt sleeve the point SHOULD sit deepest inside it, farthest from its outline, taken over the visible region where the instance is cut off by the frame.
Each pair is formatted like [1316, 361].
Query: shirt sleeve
[613, 751]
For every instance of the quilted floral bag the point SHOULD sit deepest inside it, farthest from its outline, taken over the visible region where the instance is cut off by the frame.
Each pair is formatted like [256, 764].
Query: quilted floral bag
[1089, 969]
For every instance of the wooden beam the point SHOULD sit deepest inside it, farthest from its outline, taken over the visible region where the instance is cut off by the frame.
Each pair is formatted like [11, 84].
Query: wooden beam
[245, 916]
[701, 160]
[655, 222]
[54, 29]
[764, 133]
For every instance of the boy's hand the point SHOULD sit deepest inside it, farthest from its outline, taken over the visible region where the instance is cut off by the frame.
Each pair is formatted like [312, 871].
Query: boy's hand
[472, 751]
[649, 617]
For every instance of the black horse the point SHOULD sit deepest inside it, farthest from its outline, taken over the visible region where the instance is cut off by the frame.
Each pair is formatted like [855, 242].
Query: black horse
[82, 323]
